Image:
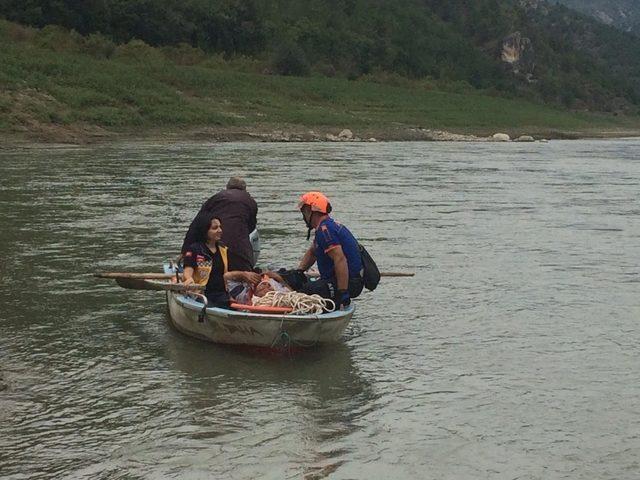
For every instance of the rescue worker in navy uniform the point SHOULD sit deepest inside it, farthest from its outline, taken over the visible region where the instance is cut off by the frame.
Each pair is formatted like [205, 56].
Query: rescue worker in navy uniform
[335, 249]
[238, 212]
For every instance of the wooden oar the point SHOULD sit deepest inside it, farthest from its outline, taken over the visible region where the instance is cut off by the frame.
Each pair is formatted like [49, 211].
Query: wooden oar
[382, 274]
[151, 281]
[117, 275]
[150, 284]
[162, 276]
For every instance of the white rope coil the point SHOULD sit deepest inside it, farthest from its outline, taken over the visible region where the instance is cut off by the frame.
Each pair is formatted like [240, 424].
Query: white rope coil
[300, 302]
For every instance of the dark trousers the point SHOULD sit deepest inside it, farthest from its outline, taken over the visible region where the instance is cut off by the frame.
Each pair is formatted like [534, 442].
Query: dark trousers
[326, 288]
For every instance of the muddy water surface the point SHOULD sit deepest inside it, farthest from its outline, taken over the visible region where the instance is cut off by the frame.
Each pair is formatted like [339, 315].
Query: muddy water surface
[513, 353]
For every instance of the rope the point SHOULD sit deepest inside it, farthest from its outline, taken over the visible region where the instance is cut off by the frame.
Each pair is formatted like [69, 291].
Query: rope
[300, 302]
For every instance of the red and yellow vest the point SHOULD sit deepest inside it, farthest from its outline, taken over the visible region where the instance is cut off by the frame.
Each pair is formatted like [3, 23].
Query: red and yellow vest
[203, 271]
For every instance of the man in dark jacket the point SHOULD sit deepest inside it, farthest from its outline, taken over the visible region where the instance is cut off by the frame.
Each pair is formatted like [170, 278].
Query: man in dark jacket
[237, 212]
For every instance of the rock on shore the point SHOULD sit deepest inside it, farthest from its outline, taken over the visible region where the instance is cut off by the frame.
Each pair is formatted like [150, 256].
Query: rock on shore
[525, 138]
[501, 137]
[284, 133]
[418, 134]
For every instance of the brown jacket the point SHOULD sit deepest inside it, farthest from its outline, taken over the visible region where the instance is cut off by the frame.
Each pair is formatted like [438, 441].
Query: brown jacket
[237, 212]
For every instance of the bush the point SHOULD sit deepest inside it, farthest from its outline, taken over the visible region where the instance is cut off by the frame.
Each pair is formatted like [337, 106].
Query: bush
[290, 59]
[53, 37]
[387, 78]
[243, 63]
[138, 51]
[214, 60]
[324, 69]
[99, 46]
[458, 86]
[184, 54]
[15, 32]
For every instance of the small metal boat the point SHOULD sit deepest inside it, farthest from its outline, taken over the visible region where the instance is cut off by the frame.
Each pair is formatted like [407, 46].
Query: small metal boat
[188, 314]
[221, 325]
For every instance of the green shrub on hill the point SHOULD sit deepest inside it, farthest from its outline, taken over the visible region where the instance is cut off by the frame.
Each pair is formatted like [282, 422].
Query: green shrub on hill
[15, 32]
[290, 59]
[58, 39]
[99, 46]
[137, 51]
[184, 54]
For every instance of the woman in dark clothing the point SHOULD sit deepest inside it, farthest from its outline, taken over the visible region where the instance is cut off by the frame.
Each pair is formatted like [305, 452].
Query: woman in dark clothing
[237, 210]
[206, 262]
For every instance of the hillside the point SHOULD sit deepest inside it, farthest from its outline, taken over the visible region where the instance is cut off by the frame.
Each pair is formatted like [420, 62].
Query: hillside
[528, 48]
[622, 14]
[59, 86]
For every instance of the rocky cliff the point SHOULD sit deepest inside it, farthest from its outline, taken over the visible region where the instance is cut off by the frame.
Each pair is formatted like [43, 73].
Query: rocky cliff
[622, 14]
[518, 52]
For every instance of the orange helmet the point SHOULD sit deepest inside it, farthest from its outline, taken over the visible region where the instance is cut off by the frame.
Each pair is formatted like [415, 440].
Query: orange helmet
[316, 200]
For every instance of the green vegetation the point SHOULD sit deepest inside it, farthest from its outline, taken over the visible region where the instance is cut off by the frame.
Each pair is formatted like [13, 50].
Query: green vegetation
[52, 78]
[572, 61]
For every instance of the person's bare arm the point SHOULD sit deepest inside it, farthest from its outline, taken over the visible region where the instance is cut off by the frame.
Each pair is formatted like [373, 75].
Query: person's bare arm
[187, 275]
[275, 276]
[308, 259]
[240, 276]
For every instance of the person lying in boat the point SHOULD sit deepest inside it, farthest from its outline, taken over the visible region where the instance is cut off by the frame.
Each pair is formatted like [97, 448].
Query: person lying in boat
[206, 262]
[242, 291]
[334, 248]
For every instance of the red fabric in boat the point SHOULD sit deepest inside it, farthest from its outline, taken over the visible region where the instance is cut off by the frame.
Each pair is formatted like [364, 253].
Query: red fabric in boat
[261, 309]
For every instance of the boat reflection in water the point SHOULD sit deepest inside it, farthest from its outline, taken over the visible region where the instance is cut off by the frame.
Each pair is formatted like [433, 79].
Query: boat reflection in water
[311, 401]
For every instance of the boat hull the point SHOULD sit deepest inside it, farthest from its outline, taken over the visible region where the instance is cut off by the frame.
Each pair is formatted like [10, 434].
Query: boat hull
[234, 327]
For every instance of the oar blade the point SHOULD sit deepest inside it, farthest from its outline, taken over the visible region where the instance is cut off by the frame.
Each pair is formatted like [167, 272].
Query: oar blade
[138, 284]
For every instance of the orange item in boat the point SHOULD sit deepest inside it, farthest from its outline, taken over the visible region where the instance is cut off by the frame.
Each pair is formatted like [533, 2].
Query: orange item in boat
[261, 308]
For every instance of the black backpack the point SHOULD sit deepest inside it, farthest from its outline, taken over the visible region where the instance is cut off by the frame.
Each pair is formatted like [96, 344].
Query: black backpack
[371, 275]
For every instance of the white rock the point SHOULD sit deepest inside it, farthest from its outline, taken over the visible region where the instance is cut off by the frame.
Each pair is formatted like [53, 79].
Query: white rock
[331, 137]
[346, 134]
[501, 137]
[525, 138]
[372, 140]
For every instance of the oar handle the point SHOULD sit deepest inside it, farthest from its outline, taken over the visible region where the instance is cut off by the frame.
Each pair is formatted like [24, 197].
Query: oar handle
[382, 274]
[179, 287]
[151, 276]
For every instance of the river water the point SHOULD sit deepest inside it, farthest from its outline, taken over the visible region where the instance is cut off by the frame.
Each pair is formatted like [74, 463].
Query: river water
[514, 352]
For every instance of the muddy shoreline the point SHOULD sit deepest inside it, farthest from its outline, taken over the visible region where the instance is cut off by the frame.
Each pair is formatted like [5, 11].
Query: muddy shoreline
[89, 134]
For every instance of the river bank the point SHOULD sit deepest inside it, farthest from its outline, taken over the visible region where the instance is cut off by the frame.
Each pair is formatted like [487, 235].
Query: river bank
[83, 135]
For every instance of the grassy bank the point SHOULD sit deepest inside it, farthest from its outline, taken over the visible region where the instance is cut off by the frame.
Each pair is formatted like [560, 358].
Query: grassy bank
[52, 90]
